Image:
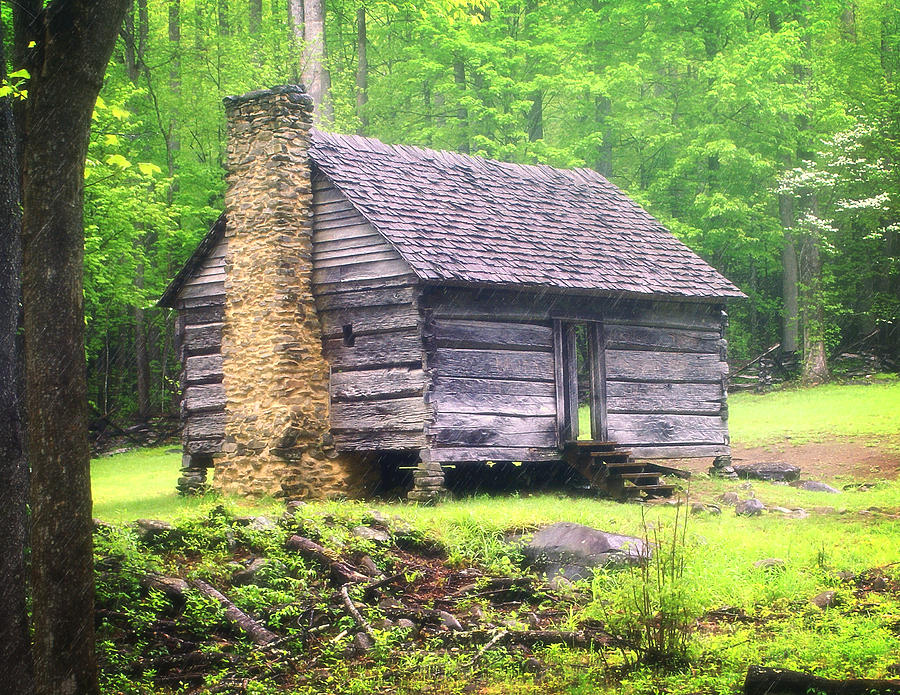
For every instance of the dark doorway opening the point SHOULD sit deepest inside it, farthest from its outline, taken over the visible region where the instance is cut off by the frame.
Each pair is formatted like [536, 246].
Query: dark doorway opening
[581, 380]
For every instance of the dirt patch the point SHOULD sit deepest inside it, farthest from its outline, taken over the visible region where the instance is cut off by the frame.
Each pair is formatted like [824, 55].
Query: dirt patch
[821, 460]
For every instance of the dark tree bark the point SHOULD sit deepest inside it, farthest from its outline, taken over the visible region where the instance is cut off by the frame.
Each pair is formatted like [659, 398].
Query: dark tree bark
[15, 647]
[362, 70]
[778, 681]
[73, 40]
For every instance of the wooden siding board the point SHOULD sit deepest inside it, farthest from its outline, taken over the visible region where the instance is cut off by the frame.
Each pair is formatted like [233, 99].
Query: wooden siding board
[203, 369]
[633, 429]
[376, 350]
[651, 366]
[629, 337]
[356, 298]
[492, 335]
[367, 320]
[378, 384]
[494, 364]
[467, 429]
[495, 453]
[368, 440]
[202, 339]
[683, 398]
[394, 415]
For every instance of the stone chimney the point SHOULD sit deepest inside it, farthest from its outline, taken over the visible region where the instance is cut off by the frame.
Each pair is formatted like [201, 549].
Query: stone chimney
[276, 379]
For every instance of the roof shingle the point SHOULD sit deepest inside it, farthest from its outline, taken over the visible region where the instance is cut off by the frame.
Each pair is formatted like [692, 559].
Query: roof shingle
[463, 219]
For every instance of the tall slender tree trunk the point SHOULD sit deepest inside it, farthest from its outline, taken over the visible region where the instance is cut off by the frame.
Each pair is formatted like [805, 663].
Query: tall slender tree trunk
[536, 116]
[362, 70]
[315, 59]
[462, 113]
[790, 278]
[73, 41]
[604, 161]
[173, 143]
[255, 16]
[15, 642]
[815, 360]
[295, 15]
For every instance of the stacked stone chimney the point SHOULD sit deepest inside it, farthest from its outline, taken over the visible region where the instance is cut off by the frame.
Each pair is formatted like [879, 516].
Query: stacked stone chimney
[276, 379]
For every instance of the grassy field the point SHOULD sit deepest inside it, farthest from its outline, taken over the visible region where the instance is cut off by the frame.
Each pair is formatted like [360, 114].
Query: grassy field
[811, 415]
[855, 533]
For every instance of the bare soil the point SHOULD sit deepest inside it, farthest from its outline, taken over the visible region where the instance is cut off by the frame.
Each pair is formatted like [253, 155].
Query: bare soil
[856, 458]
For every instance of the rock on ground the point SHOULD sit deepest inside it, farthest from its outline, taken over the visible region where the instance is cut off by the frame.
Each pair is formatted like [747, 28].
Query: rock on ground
[815, 486]
[371, 534]
[751, 507]
[574, 550]
[772, 471]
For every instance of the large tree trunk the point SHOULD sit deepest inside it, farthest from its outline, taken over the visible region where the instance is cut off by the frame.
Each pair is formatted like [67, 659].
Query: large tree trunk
[362, 70]
[602, 110]
[73, 42]
[315, 71]
[15, 645]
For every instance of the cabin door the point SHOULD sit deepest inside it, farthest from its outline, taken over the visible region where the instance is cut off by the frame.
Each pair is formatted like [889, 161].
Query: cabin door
[580, 380]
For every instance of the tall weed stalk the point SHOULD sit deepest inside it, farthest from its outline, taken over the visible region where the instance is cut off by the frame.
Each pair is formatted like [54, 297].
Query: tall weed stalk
[649, 607]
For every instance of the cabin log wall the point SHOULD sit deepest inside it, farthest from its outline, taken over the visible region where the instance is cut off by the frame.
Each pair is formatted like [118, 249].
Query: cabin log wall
[367, 300]
[201, 312]
[491, 355]
[493, 390]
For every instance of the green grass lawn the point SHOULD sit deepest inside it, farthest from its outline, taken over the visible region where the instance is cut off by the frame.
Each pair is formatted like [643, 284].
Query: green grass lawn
[142, 483]
[810, 415]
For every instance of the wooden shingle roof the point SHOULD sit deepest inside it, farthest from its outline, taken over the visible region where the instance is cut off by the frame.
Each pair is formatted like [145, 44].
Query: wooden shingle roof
[467, 220]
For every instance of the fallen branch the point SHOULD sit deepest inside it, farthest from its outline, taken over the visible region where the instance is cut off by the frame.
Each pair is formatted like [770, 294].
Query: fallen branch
[341, 572]
[776, 681]
[499, 637]
[354, 612]
[370, 588]
[258, 634]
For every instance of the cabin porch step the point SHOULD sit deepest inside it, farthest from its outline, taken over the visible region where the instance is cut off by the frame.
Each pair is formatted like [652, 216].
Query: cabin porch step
[615, 472]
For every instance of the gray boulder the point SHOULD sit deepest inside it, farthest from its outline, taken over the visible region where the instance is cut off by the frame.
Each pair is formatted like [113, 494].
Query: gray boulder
[153, 530]
[371, 534]
[815, 486]
[730, 498]
[751, 507]
[773, 471]
[574, 550]
[248, 575]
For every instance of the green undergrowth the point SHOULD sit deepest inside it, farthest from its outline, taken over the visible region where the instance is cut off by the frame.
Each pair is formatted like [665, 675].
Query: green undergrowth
[735, 612]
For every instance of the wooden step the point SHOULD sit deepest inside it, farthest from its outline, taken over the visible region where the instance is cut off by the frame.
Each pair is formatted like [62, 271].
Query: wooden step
[625, 467]
[592, 444]
[611, 456]
[640, 476]
[655, 490]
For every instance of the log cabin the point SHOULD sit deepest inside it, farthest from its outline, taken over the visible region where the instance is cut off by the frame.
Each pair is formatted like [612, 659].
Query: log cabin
[358, 299]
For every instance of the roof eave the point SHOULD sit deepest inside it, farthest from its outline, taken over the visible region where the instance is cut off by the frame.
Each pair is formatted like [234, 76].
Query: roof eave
[212, 237]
